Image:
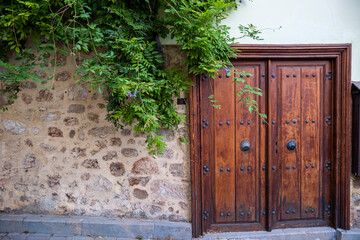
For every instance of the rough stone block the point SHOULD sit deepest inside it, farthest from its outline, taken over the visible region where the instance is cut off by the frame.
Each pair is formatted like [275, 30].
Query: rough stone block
[100, 184]
[14, 127]
[126, 132]
[40, 73]
[356, 198]
[53, 116]
[28, 85]
[78, 152]
[140, 194]
[76, 108]
[138, 180]
[163, 190]
[27, 99]
[44, 95]
[165, 230]
[94, 117]
[117, 169]
[91, 163]
[110, 155]
[47, 147]
[177, 170]
[62, 76]
[55, 132]
[169, 153]
[30, 161]
[71, 121]
[145, 166]
[101, 132]
[168, 134]
[115, 142]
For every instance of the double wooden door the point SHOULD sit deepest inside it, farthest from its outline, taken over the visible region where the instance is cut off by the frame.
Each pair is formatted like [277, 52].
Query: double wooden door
[261, 174]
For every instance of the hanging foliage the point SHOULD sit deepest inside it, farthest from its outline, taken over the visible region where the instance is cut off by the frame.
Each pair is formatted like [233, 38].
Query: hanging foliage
[124, 39]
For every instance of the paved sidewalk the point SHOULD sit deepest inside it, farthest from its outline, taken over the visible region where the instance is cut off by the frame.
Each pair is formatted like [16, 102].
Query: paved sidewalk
[17, 236]
[55, 227]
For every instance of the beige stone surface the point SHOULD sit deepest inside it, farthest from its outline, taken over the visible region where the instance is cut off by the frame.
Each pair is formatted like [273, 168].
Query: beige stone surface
[59, 155]
[355, 201]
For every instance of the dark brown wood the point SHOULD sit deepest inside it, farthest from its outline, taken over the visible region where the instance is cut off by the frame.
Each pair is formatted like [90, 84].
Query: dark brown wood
[206, 86]
[194, 114]
[289, 110]
[345, 148]
[224, 147]
[235, 227]
[338, 178]
[251, 179]
[355, 92]
[327, 147]
[311, 166]
[302, 224]
[340, 54]
[272, 166]
[300, 118]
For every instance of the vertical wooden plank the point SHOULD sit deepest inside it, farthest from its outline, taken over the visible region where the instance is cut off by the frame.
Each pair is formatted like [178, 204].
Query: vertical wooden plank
[337, 139]
[224, 135]
[272, 165]
[247, 162]
[290, 131]
[327, 147]
[311, 164]
[263, 101]
[355, 131]
[195, 157]
[346, 136]
[206, 123]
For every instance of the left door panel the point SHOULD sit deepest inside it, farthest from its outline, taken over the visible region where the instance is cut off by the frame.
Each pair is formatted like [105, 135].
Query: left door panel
[234, 175]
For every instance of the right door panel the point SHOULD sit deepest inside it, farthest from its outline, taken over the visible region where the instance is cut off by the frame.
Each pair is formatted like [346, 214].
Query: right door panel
[300, 185]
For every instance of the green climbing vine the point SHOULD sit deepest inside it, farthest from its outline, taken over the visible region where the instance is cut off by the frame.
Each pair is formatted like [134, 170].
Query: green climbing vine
[127, 60]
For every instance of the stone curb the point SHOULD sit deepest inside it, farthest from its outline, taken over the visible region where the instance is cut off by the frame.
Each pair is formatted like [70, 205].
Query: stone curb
[65, 226]
[353, 234]
[318, 233]
[82, 226]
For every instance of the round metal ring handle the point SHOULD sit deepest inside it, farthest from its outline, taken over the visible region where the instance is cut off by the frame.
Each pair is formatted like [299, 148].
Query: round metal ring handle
[245, 146]
[291, 145]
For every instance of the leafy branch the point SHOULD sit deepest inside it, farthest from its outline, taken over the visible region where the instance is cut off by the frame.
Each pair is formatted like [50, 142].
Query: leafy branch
[127, 62]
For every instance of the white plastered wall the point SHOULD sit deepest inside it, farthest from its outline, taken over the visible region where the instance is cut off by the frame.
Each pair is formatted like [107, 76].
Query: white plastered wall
[302, 22]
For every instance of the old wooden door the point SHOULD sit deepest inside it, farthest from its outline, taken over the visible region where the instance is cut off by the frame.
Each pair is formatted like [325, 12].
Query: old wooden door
[262, 174]
[300, 152]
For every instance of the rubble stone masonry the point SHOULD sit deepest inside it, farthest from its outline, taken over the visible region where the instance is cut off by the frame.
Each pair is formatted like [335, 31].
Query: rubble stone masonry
[58, 155]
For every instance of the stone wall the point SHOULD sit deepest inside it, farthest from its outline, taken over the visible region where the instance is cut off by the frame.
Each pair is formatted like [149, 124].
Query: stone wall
[355, 201]
[60, 156]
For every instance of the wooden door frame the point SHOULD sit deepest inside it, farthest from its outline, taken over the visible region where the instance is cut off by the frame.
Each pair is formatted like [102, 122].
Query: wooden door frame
[341, 56]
